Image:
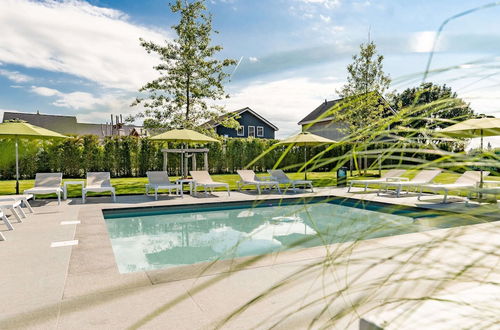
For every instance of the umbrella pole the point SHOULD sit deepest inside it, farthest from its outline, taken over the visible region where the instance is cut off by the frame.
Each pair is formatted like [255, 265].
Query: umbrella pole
[305, 163]
[481, 169]
[17, 166]
[480, 196]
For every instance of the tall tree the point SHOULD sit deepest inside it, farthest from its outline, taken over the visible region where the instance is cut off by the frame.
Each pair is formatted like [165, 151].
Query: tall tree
[363, 103]
[429, 107]
[365, 74]
[190, 75]
[432, 106]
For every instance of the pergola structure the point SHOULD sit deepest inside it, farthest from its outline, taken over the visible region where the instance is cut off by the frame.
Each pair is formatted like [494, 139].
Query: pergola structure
[185, 155]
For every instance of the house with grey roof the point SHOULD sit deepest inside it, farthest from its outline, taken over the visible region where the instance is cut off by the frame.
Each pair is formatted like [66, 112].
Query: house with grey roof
[69, 125]
[251, 125]
[321, 121]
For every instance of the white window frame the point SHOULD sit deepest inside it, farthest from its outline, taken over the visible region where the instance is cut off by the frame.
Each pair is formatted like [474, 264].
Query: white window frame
[262, 131]
[249, 129]
[242, 128]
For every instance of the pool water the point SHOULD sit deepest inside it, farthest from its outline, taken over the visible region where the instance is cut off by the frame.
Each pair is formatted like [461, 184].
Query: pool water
[153, 239]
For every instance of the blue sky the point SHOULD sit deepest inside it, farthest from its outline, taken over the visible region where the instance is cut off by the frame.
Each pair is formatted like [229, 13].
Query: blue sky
[83, 57]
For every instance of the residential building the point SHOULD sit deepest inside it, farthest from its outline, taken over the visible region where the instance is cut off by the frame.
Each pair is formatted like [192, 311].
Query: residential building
[321, 122]
[69, 125]
[251, 125]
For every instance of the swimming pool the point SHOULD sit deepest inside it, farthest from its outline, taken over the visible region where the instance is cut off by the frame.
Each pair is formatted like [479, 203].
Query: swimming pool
[161, 237]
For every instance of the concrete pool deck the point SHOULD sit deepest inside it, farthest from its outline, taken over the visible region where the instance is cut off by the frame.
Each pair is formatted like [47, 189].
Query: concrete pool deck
[79, 286]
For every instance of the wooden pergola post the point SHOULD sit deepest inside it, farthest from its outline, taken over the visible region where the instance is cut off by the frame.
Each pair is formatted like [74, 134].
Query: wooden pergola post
[185, 154]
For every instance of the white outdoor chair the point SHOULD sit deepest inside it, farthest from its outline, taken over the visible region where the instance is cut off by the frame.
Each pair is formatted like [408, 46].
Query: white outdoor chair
[248, 178]
[98, 182]
[15, 208]
[47, 183]
[423, 177]
[489, 188]
[159, 180]
[203, 179]
[394, 175]
[282, 178]
[7, 223]
[467, 181]
[23, 198]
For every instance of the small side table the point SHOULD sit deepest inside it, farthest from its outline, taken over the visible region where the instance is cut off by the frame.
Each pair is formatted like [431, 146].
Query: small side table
[65, 186]
[190, 182]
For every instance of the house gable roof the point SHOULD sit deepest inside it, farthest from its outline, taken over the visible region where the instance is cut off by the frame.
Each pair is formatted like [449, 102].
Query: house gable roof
[239, 112]
[313, 117]
[68, 124]
[42, 120]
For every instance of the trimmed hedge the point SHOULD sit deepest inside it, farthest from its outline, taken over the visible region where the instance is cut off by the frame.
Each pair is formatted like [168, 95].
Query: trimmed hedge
[132, 157]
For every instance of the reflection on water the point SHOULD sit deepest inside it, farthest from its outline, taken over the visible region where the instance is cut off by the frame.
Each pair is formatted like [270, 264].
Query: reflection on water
[158, 241]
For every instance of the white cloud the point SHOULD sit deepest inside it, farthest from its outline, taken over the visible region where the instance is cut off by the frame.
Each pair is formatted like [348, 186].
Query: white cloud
[15, 76]
[45, 91]
[253, 59]
[284, 102]
[422, 42]
[326, 3]
[74, 37]
[86, 101]
[325, 19]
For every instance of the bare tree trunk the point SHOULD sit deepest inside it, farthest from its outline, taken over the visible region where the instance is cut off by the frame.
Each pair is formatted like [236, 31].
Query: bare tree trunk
[187, 97]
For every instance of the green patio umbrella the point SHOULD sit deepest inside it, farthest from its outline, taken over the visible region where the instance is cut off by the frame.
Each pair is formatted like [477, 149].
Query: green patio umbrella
[306, 139]
[183, 135]
[25, 130]
[473, 128]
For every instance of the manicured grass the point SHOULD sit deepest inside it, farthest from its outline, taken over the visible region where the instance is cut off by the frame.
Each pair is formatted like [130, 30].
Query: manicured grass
[131, 186]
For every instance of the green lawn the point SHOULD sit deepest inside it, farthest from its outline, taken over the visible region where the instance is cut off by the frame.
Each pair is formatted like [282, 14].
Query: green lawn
[129, 186]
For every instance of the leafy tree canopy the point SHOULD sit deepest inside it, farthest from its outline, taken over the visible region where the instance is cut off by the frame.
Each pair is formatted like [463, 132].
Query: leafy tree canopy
[191, 77]
[431, 106]
[363, 93]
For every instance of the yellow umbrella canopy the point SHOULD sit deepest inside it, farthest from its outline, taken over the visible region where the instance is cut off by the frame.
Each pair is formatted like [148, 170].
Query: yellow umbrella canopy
[183, 135]
[306, 139]
[474, 128]
[25, 130]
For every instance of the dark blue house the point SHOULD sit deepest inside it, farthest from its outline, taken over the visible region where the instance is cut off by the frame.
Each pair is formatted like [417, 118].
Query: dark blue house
[251, 125]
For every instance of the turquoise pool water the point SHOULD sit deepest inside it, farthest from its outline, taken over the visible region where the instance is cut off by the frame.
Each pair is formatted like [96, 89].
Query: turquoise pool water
[153, 239]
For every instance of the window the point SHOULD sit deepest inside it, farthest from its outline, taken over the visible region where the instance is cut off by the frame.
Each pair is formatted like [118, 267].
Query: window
[251, 131]
[240, 131]
[260, 131]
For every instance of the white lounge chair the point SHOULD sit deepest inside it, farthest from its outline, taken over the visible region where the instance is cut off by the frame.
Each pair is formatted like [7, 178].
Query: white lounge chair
[7, 223]
[282, 178]
[467, 181]
[423, 177]
[489, 188]
[23, 198]
[159, 180]
[203, 179]
[98, 182]
[248, 178]
[47, 183]
[394, 175]
[14, 207]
